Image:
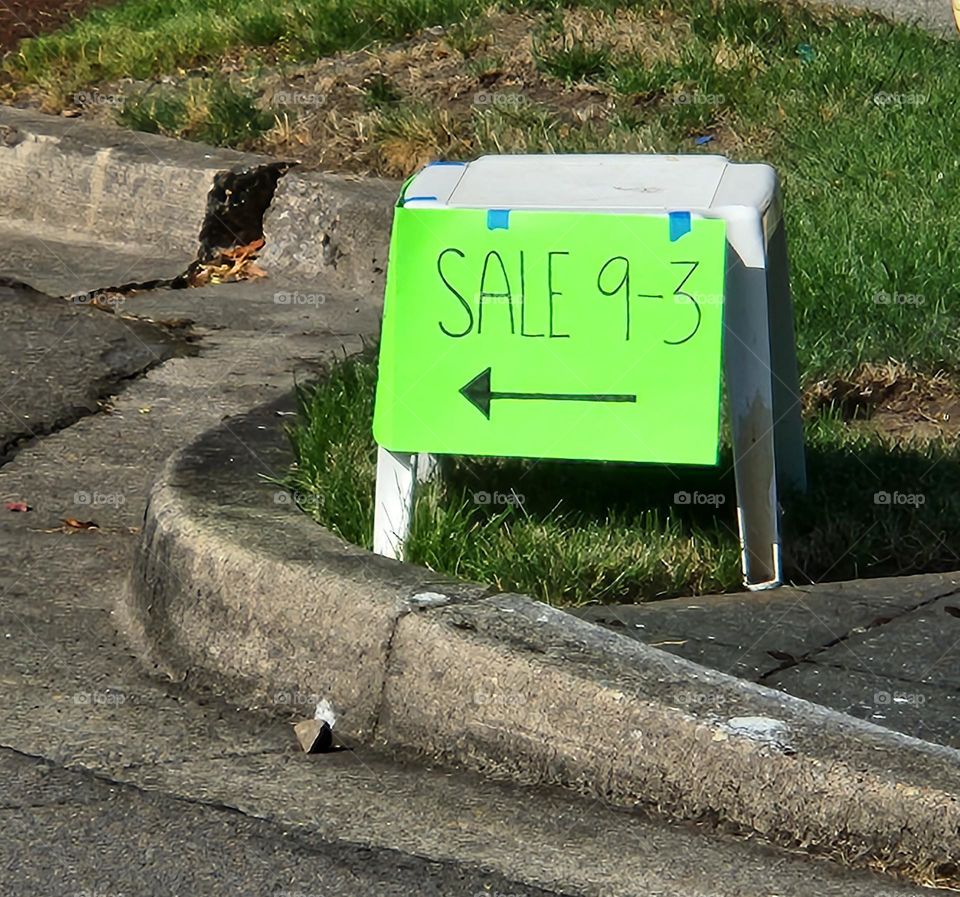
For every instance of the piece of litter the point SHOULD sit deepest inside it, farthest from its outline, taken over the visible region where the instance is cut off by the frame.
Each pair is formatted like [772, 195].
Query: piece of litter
[429, 599]
[326, 713]
[762, 728]
[806, 52]
[314, 735]
[18, 506]
[703, 139]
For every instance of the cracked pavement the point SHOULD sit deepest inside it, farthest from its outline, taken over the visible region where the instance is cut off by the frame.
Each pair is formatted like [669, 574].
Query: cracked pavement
[885, 651]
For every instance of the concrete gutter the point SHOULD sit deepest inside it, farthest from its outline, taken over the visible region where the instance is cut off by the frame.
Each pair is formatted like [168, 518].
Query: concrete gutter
[235, 588]
[111, 185]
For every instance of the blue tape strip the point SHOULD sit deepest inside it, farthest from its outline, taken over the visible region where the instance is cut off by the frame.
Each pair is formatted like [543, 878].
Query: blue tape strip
[679, 225]
[498, 218]
[407, 199]
[444, 162]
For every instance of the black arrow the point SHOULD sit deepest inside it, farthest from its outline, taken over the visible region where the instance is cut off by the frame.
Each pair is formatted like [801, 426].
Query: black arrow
[479, 394]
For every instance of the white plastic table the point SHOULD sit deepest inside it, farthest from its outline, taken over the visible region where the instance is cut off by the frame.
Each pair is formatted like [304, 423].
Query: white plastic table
[759, 352]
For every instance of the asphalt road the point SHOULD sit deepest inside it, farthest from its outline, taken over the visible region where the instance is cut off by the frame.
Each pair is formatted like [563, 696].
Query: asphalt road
[107, 840]
[60, 359]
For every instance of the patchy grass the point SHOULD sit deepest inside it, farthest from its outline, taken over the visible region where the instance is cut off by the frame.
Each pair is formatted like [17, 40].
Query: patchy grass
[213, 111]
[571, 532]
[855, 112]
[143, 39]
[571, 58]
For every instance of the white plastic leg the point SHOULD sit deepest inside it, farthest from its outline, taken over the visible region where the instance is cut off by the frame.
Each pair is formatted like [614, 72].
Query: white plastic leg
[787, 416]
[428, 468]
[396, 486]
[749, 375]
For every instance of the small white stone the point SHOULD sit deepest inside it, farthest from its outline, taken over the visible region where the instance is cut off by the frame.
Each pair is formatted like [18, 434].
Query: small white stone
[429, 599]
[761, 728]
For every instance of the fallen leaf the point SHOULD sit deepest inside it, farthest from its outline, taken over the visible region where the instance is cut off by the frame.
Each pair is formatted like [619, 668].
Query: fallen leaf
[20, 506]
[230, 265]
[72, 524]
[243, 252]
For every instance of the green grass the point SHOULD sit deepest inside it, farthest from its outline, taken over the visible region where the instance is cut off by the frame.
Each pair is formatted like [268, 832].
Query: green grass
[146, 38]
[571, 58]
[571, 533]
[379, 91]
[210, 111]
[468, 36]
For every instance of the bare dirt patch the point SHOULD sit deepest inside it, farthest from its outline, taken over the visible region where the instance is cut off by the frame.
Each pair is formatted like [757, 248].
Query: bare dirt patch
[389, 110]
[21, 19]
[892, 400]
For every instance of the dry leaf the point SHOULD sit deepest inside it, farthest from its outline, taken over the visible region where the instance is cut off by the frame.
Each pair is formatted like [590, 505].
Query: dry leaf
[72, 524]
[230, 265]
[243, 252]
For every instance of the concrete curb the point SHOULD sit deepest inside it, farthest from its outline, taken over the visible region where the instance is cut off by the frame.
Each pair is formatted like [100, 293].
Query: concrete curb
[235, 589]
[125, 187]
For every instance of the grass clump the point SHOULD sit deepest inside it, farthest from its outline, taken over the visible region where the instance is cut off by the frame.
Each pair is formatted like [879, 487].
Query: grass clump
[571, 58]
[571, 533]
[335, 473]
[210, 111]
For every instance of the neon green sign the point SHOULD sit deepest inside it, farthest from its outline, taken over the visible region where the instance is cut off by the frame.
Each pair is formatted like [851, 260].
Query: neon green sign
[547, 334]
